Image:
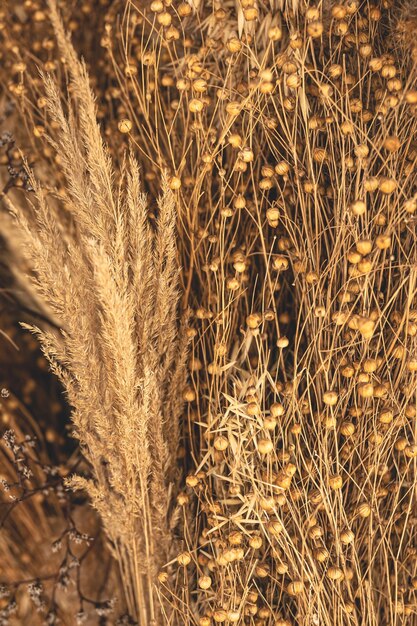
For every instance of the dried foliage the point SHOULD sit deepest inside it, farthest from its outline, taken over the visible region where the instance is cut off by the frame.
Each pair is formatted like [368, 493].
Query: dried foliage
[280, 139]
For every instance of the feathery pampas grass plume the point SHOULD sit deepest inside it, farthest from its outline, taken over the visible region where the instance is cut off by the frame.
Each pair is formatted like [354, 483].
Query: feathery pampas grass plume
[112, 281]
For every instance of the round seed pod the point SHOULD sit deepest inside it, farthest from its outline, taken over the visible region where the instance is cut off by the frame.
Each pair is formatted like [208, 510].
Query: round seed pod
[282, 568]
[221, 443]
[204, 582]
[366, 390]
[184, 9]
[370, 366]
[411, 97]
[251, 14]
[411, 451]
[265, 446]
[274, 33]
[383, 242]
[336, 481]
[347, 127]
[376, 64]
[401, 444]
[387, 185]
[335, 573]
[364, 246]
[256, 542]
[293, 81]
[219, 616]
[347, 536]
[184, 559]
[252, 409]
[386, 415]
[363, 509]
[269, 423]
[280, 262]
[276, 409]
[262, 570]
[192, 481]
[330, 398]
[254, 320]
[163, 577]
[267, 503]
[392, 144]
[274, 527]
[339, 12]
[315, 29]
[295, 587]
[321, 554]
[315, 532]
[358, 207]
[125, 126]
[233, 616]
[283, 342]
[347, 428]
[195, 105]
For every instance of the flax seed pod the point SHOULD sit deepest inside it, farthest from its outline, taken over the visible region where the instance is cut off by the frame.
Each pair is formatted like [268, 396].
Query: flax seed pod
[221, 443]
[125, 126]
[256, 542]
[335, 573]
[265, 446]
[321, 554]
[204, 582]
[347, 536]
[296, 587]
[272, 215]
[387, 185]
[330, 398]
[347, 428]
[184, 559]
[336, 482]
[363, 509]
[358, 207]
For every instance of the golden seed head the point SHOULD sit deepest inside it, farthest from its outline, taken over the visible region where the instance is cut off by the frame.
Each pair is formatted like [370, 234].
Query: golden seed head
[387, 185]
[364, 246]
[204, 582]
[265, 446]
[321, 554]
[363, 509]
[234, 45]
[383, 242]
[196, 105]
[125, 125]
[274, 33]
[220, 615]
[347, 536]
[256, 542]
[184, 559]
[347, 428]
[335, 573]
[336, 481]
[330, 398]
[254, 320]
[295, 587]
[221, 443]
[162, 577]
[358, 207]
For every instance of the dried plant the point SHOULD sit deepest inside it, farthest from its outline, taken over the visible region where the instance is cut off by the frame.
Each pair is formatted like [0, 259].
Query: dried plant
[287, 129]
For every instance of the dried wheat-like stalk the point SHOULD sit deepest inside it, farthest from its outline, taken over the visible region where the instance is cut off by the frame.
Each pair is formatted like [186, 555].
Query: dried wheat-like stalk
[112, 281]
